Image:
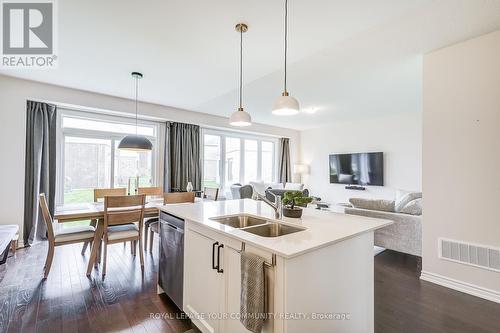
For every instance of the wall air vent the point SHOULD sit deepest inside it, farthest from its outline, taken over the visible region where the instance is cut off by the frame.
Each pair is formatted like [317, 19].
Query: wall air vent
[481, 256]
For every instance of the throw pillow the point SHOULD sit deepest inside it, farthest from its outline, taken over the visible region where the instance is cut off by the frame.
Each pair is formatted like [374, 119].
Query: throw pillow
[414, 207]
[294, 186]
[373, 204]
[404, 197]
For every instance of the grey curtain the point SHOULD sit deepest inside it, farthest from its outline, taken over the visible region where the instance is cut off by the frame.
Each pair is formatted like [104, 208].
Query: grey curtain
[182, 157]
[40, 167]
[284, 167]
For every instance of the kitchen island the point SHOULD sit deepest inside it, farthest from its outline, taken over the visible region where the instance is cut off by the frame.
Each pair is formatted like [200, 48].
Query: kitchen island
[319, 270]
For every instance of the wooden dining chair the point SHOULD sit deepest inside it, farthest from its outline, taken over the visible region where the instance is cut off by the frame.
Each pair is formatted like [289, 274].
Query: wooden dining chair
[99, 194]
[149, 191]
[211, 193]
[123, 219]
[178, 197]
[168, 198]
[61, 236]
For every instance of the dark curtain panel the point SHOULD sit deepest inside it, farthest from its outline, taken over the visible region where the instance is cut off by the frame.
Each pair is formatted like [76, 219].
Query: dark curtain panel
[40, 167]
[182, 157]
[284, 167]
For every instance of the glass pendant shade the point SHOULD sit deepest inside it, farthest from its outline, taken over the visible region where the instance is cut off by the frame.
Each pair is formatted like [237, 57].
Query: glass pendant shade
[135, 143]
[240, 118]
[285, 106]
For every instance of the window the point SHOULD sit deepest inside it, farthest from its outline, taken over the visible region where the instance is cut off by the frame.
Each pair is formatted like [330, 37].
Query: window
[251, 161]
[230, 158]
[132, 165]
[91, 159]
[211, 165]
[87, 163]
[268, 158]
[233, 160]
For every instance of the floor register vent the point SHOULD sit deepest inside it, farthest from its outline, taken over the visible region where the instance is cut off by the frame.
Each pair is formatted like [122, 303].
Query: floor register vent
[470, 254]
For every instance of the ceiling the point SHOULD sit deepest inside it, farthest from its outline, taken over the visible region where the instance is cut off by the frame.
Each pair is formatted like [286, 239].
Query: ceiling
[349, 58]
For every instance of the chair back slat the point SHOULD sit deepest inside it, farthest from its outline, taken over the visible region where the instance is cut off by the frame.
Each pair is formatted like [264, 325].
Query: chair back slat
[150, 191]
[100, 193]
[123, 209]
[123, 216]
[211, 193]
[178, 197]
[123, 201]
[47, 217]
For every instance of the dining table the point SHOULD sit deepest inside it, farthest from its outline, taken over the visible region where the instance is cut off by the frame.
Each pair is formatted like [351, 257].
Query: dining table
[95, 211]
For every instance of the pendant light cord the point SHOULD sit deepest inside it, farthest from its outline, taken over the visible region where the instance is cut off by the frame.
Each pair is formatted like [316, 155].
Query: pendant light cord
[136, 96]
[286, 36]
[241, 66]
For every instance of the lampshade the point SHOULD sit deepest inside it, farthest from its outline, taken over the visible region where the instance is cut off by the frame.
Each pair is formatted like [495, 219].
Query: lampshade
[302, 169]
[240, 118]
[135, 143]
[285, 106]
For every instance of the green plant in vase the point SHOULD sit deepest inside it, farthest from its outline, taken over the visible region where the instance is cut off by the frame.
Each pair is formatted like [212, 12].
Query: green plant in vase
[292, 203]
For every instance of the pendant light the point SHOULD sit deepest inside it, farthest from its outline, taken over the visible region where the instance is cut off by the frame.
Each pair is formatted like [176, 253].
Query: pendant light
[241, 118]
[135, 142]
[286, 105]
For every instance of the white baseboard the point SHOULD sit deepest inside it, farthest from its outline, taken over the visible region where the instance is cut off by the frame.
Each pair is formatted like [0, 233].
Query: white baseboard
[488, 294]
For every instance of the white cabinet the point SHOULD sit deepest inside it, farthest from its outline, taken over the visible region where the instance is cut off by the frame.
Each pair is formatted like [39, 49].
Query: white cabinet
[203, 285]
[332, 287]
[212, 282]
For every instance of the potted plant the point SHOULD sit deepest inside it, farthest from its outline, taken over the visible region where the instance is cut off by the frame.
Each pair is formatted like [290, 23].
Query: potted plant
[292, 203]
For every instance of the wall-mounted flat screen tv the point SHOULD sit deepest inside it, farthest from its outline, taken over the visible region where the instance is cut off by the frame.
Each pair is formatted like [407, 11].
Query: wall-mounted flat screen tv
[357, 168]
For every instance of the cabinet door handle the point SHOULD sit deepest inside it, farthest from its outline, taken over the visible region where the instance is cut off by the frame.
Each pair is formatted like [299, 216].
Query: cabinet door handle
[213, 256]
[219, 270]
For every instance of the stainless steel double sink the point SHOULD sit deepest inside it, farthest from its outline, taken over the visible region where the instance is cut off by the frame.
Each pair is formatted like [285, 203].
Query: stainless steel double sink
[257, 225]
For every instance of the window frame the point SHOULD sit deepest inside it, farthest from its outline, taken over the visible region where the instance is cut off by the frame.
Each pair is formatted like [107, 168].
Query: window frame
[62, 133]
[242, 136]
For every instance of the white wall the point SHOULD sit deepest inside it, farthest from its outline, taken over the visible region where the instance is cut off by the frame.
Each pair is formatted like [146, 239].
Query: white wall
[13, 95]
[398, 136]
[461, 154]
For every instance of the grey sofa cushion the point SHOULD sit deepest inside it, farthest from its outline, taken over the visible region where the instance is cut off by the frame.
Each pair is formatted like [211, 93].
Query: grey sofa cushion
[373, 204]
[414, 207]
[404, 197]
[405, 235]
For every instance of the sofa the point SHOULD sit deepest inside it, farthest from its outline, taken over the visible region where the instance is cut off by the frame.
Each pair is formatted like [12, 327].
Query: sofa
[405, 234]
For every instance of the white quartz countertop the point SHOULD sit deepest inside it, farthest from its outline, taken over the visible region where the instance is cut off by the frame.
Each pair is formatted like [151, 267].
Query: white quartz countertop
[322, 227]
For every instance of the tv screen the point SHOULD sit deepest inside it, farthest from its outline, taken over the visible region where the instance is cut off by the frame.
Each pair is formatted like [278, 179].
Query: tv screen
[358, 168]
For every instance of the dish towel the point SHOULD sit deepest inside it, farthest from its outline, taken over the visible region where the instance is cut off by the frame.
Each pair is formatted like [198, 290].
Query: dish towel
[252, 292]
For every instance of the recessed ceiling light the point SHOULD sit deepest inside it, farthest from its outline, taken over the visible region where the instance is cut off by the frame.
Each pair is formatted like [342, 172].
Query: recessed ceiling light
[311, 110]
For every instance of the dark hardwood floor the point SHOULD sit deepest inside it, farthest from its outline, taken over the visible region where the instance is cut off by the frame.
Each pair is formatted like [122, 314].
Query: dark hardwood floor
[404, 303]
[126, 300]
[68, 301]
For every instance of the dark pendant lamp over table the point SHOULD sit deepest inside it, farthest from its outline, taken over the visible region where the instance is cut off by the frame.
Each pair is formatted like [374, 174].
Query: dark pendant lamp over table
[135, 142]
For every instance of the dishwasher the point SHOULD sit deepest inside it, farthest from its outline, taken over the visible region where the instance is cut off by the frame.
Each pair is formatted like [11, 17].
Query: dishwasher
[171, 262]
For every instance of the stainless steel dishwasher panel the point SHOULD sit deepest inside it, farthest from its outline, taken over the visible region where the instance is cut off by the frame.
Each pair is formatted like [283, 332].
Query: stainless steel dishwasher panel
[171, 262]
